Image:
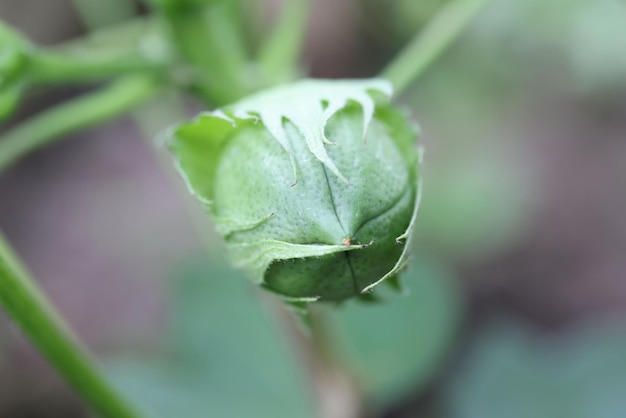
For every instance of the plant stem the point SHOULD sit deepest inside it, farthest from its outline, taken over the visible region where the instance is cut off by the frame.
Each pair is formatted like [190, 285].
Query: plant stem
[209, 37]
[58, 68]
[28, 307]
[120, 37]
[427, 45]
[96, 14]
[280, 53]
[338, 395]
[76, 114]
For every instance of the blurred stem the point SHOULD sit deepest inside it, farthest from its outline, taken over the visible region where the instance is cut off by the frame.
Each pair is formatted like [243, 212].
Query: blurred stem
[76, 114]
[57, 68]
[27, 306]
[209, 37]
[122, 36]
[52, 67]
[431, 42]
[280, 54]
[338, 395]
[95, 14]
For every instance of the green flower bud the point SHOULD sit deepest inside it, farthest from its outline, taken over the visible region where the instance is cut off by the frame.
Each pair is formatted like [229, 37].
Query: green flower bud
[314, 186]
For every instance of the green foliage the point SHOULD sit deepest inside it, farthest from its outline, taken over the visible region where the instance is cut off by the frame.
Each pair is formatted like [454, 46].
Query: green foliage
[512, 374]
[229, 357]
[396, 346]
[22, 300]
[227, 347]
[315, 199]
[455, 220]
[585, 39]
[337, 157]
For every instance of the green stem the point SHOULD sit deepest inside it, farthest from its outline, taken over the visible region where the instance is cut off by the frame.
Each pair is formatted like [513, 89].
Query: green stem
[208, 36]
[280, 53]
[96, 14]
[58, 68]
[28, 307]
[427, 45]
[120, 37]
[76, 114]
[328, 374]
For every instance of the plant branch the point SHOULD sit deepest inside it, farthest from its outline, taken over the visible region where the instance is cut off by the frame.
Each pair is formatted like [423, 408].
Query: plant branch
[337, 393]
[28, 307]
[280, 53]
[119, 37]
[59, 68]
[433, 40]
[95, 14]
[76, 114]
[208, 37]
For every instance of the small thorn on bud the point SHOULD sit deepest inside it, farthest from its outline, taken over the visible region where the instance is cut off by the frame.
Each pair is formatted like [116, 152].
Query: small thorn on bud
[347, 242]
[294, 183]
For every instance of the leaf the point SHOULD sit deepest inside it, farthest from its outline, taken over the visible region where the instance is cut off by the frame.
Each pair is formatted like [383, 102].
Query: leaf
[228, 358]
[509, 373]
[257, 257]
[395, 346]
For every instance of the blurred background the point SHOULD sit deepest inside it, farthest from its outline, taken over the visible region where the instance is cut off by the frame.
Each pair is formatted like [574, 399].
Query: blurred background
[517, 292]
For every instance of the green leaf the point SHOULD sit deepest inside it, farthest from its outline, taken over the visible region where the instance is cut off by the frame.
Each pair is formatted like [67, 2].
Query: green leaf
[258, 256]
[511, 373]
[228, 358]
[396, 345]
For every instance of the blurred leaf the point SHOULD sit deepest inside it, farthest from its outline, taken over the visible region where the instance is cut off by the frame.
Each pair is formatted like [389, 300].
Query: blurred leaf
[395, 346]
[587, 38]
[474, 206]
[508, 374]
[597, 45]
[576, 44]
[229, 358]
